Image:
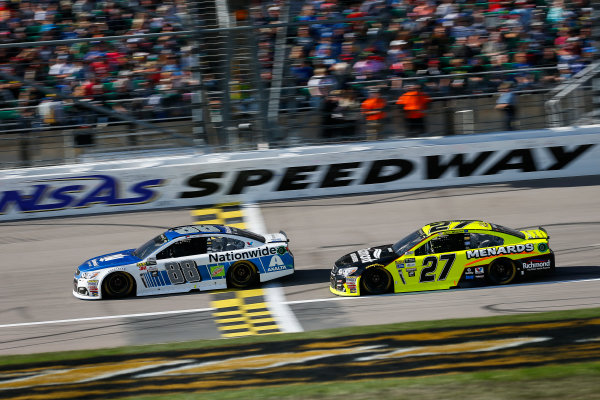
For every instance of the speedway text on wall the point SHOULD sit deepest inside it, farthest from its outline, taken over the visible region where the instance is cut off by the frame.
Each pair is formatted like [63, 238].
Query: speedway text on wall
[155, 183]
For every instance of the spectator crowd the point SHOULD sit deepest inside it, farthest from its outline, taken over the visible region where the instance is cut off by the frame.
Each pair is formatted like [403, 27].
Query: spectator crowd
[336, 61]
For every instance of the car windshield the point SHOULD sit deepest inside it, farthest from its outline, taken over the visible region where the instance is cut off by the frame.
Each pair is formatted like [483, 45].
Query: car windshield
[403, 245]
[147, 248]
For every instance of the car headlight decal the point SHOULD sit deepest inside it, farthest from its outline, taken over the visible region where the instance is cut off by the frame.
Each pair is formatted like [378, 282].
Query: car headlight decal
[347, 271]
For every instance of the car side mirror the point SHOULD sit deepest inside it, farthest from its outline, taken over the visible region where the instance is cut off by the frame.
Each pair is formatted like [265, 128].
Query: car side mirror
[151, 261]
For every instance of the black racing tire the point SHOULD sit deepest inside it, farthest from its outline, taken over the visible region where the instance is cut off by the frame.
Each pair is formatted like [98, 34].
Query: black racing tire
[242, 275]
[501, 272]
[118, 285]
[376, 280]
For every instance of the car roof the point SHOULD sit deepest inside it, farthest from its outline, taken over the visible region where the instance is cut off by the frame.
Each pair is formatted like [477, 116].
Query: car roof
[201, 230]
[442, 226]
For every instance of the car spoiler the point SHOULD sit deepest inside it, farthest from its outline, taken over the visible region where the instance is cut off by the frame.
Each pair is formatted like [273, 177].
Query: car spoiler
[541, 228]
[286, 236]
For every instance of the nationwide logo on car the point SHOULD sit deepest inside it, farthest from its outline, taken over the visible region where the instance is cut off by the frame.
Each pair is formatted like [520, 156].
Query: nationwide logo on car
[231, 256]
[520, 248]
[537, 264]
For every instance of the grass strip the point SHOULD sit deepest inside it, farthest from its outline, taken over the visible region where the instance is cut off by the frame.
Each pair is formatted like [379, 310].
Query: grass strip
[580, 381]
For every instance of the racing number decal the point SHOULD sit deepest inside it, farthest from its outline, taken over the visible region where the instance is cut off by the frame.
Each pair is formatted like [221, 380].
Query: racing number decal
[444, 225]
[182, 272]
[430, 265]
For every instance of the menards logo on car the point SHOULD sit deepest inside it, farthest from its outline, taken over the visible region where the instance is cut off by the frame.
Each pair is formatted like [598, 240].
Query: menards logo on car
[520, 248]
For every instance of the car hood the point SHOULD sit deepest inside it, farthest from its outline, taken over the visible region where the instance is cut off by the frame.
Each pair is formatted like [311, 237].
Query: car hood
[110, 260]
[373, 255]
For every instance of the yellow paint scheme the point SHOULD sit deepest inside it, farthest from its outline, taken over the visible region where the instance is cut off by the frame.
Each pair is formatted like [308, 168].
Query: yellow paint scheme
[413, 272]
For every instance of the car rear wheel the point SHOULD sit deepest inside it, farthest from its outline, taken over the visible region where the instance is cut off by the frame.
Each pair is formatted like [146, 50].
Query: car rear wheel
[501, 272]
[242, 275]
[376, 280]
[118, 285]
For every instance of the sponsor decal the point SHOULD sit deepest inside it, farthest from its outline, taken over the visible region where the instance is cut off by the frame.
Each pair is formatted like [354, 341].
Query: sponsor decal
[111, 258]
[351, 280]
[281, 250]
[525, 160]
[364, 255]
[469, 277]
[534, 265]
[92, 282]
[217, 271]
[93, 288]
[354, 257]
[411, 271]
[78, 192]
[276, 261]
[399, 264]
[542, 247]
[232, 256]
[142, 267]
[276, 264]
[469, 271]
[479, 270]
[494, 251]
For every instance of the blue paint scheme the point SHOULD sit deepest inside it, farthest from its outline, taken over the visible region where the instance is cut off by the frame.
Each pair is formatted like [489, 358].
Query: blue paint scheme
[127, 259]
[162, 279]
[269, 264]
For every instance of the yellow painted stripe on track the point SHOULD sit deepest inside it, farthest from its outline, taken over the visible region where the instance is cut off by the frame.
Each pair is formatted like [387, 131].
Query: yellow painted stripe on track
[230, 214]
[246, 318]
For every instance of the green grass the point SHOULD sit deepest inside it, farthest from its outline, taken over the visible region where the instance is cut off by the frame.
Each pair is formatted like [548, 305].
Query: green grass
[322, 334]
[553, 382]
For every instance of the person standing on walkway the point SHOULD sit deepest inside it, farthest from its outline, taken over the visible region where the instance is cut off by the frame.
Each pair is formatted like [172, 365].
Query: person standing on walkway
[414, 102]
[507, 104]
[373, 111]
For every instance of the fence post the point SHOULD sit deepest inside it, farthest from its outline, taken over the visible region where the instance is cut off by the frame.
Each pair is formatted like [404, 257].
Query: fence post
[449, 117]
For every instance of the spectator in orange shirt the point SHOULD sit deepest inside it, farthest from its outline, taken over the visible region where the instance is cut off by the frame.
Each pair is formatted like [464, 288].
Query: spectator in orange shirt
[373, 111]
[414, 102]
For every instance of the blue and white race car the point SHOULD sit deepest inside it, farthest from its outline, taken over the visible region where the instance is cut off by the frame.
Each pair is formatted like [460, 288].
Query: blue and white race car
[202, 257]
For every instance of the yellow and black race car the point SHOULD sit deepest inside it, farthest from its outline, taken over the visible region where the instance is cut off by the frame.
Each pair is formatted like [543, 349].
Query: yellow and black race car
[443, 255]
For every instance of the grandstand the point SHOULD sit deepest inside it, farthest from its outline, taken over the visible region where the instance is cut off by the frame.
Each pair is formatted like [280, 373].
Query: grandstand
[92, 78]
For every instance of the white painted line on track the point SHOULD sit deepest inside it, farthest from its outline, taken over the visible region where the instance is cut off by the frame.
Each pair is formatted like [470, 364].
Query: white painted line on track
[286, 319]
[274, 296]
[254, 220]
[62, 321]
[286, 303]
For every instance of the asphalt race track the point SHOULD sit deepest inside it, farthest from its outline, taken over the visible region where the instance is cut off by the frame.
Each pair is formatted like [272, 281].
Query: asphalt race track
[38, 312]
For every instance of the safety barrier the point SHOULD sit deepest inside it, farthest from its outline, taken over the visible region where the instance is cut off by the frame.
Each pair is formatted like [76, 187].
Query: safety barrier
[199, 179]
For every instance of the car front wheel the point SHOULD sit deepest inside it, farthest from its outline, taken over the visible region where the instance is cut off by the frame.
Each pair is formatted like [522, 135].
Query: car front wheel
[376, 280]
[118, 285]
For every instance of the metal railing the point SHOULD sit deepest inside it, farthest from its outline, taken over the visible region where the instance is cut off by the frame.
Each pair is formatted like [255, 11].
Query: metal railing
[234, 99]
